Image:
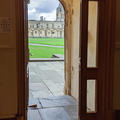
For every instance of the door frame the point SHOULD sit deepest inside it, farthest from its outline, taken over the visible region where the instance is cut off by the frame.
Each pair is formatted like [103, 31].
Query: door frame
[107, 67]
[20, 58]
[21, 53]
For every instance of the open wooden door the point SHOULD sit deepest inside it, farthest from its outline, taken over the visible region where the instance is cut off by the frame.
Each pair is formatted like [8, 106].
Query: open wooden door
[96, 35]
[89, 64]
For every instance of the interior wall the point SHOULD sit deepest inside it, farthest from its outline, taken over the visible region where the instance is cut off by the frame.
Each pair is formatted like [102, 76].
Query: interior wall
[75, 44]
[67, 36]
[72, 11]
[92, 34]
[116, 98]
[8, 73]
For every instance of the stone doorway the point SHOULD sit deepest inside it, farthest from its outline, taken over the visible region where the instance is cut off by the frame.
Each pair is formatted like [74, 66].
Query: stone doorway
[47, 99]
[46, 50]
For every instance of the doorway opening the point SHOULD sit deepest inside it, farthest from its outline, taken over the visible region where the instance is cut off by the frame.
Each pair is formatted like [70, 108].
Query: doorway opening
[46, 50]
[47, 61]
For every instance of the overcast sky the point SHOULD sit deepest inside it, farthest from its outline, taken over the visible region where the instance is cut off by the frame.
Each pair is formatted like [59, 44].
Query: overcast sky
[46, 8]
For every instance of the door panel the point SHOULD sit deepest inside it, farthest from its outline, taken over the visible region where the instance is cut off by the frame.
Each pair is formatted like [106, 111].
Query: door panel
[96, 53]
[92, 34]
[89, 61]
[91, 96]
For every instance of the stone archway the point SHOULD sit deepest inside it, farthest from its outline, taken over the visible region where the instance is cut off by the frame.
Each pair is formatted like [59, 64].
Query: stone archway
[67, 36]
[69, 61]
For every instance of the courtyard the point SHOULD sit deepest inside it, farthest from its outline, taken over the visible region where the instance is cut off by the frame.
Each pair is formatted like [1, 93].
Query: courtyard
[45, 47]
[46, 79]
[46, 93]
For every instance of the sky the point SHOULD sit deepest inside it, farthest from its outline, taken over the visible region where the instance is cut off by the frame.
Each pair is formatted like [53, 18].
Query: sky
[46, 8]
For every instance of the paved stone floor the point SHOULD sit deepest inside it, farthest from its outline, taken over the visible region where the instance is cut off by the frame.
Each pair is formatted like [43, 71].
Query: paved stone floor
[47, 100]
[46, 79]
[53, 108]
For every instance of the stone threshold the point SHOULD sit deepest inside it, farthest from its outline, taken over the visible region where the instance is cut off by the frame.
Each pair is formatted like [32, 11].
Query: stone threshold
[45, 59]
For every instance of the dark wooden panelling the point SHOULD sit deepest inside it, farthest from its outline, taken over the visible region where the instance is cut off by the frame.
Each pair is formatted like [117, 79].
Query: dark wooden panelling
[117, 115]
[104, 72]
[9, 119]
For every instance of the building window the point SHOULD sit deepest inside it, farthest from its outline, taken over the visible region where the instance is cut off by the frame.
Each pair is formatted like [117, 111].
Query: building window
[53, 32]
[60, 33]
[32, 33]
[37, 25]
[52, 25]
[47, 25]
[35, 32]
[41, 26]
[48, 32]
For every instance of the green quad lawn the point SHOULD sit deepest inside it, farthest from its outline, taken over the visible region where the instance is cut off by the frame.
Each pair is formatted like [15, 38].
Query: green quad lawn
[48, 41]
[44, 52]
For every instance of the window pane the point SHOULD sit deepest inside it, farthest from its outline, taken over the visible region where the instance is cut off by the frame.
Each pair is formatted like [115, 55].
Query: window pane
[91, 96]
[92, 34]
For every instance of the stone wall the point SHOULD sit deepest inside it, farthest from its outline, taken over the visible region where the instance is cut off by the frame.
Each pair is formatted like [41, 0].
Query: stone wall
[48, 29]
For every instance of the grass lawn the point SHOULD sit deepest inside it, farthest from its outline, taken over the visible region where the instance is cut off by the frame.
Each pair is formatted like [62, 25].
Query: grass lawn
[44, 52]
[48, 41]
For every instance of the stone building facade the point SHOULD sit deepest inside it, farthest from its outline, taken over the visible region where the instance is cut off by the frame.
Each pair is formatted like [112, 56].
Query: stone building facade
[48, 29]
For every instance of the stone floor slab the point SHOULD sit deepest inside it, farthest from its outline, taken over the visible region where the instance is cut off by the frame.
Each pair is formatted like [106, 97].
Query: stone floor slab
[57, 101]
[34, 115]
[59, 112]
[54, 114]
[72, 111]
[46, 79]
[41, 94]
